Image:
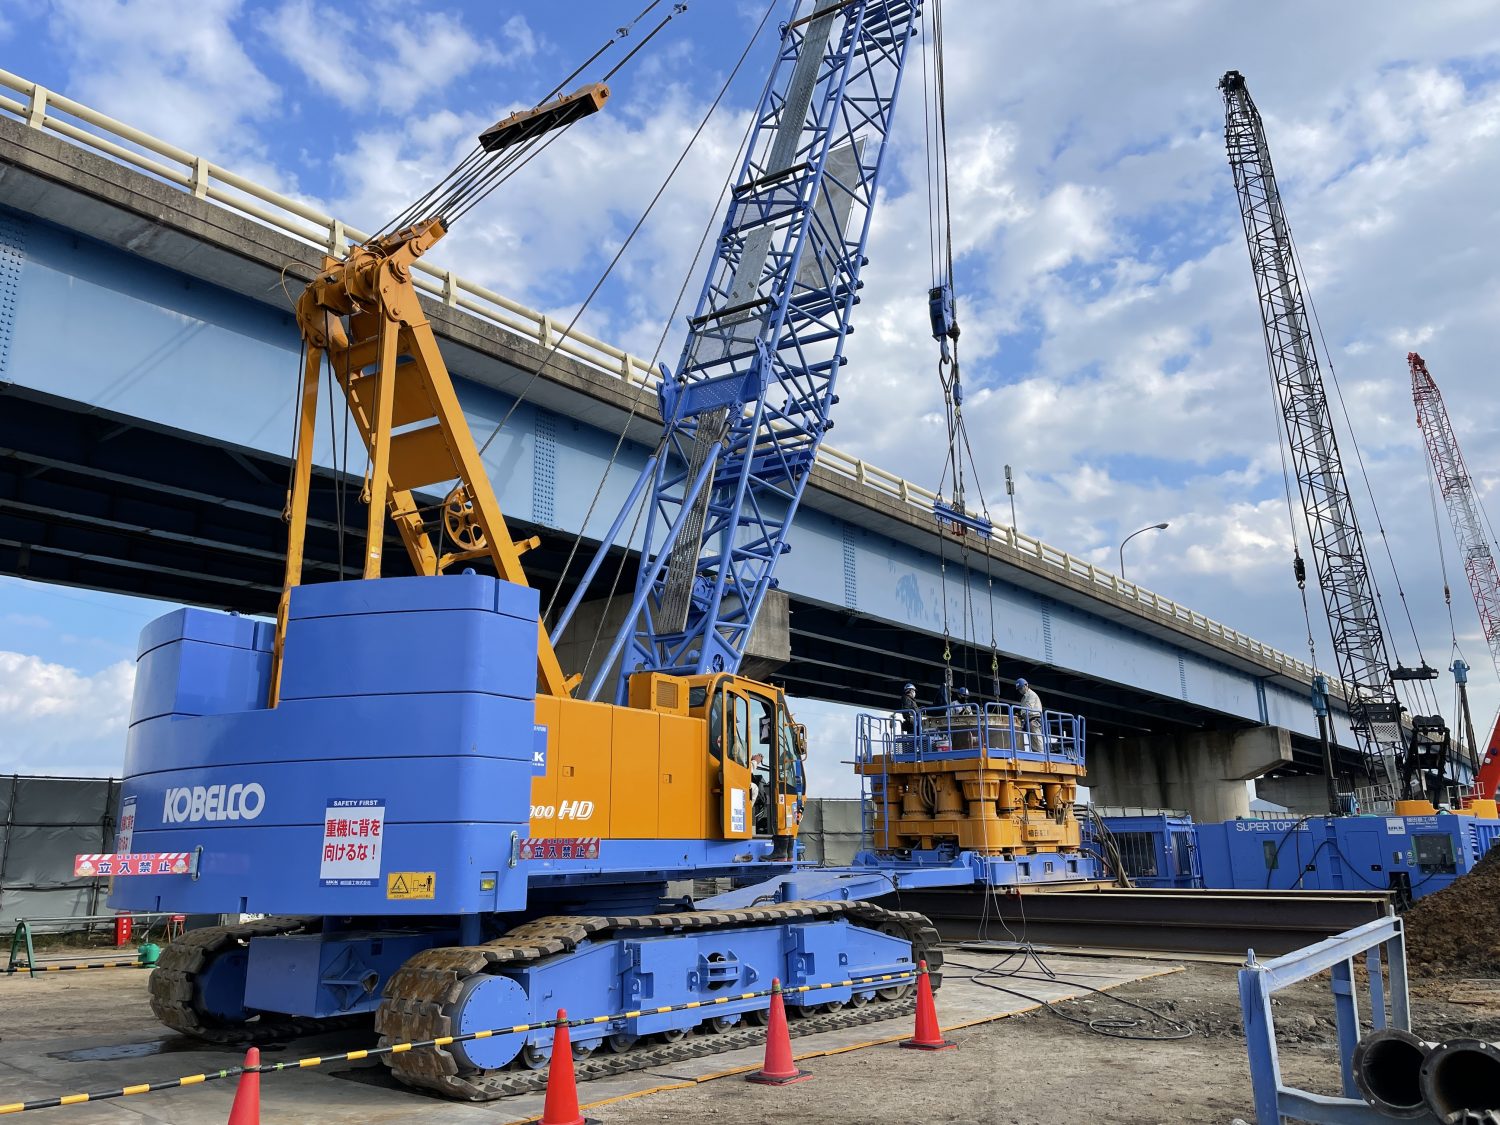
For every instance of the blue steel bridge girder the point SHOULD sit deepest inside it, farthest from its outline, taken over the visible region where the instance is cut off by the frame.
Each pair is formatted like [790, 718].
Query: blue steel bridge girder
[749, 404]
[223, 507]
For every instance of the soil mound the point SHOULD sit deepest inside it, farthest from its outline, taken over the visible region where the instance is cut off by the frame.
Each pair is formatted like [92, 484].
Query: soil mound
[1456, 932]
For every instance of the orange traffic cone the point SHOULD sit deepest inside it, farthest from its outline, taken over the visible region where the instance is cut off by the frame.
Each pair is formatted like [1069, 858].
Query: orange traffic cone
[779, 1069]
[561, 1106]
[246, 1107]
[928, 1036]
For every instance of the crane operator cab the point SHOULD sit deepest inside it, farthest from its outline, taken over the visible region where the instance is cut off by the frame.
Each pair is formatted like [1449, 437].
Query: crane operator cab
[758, 752]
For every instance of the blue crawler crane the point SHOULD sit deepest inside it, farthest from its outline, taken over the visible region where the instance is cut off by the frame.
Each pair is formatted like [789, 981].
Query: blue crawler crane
[442, 830]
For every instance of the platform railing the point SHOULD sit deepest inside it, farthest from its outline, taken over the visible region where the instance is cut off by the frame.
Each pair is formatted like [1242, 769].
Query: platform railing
[50, 112]
[999, 730]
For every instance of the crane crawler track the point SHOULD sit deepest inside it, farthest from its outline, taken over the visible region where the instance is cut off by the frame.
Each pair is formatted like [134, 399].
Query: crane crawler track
[174, 985]
[418, 994]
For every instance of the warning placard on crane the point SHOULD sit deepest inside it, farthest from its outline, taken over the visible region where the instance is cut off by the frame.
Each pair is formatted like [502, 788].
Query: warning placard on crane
[574, 847]
[125, 835]
[353, 828]
[132, 863]
[408, 885]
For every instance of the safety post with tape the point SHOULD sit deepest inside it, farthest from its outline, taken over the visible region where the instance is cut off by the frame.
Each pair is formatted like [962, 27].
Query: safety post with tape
[882, 979]
[34, 969]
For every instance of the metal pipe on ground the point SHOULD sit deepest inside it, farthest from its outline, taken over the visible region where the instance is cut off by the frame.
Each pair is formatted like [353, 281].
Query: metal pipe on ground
[1388, 1071]
[1460, 1081]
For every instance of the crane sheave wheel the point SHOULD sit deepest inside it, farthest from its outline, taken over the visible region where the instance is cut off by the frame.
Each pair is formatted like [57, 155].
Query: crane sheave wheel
[459, 521]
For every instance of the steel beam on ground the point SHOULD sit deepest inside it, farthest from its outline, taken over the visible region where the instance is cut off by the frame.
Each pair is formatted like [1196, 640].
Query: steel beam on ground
[1187, 921]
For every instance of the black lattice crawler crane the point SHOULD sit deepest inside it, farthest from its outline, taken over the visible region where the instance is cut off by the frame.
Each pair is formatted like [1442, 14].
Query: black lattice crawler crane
[1338, 549]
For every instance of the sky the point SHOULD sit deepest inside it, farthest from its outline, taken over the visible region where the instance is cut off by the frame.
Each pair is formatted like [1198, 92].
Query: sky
[1111, 339]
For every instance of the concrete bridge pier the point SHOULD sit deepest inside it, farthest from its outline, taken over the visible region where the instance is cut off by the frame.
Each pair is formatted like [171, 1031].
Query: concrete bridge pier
[1203, 772]
[1305, 794]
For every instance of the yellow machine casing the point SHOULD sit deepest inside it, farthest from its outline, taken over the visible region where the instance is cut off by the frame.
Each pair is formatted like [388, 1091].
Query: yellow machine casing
[655, 769]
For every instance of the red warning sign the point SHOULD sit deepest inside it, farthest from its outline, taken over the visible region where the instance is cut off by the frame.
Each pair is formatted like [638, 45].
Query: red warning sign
[578, 847]
[132, 863]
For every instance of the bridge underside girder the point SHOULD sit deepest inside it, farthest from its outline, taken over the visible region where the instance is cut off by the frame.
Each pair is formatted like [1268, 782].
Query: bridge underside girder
[107, 502]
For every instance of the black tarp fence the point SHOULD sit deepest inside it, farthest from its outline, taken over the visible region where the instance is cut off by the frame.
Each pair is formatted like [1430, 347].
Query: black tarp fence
[44, 823]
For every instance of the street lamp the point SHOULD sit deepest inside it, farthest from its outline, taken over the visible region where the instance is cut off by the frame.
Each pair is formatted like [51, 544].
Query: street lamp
[1132, 535]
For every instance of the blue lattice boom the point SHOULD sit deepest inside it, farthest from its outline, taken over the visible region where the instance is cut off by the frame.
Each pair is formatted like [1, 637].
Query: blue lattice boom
[749, 403]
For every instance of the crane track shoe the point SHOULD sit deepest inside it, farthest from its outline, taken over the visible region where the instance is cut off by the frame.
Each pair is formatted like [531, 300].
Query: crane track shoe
[928, 1035]
[779, 1069]
[246, 1107]
[561, 1106]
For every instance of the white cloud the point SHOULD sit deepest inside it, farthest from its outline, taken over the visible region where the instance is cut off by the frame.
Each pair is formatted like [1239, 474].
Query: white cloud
[545, 236]
[382, 61]
[427, 54]
[174, 68]
[324, 44]
[60, 721]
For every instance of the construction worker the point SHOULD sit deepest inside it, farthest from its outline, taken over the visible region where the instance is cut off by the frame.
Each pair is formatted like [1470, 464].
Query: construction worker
[906, 714]
[1029, 714]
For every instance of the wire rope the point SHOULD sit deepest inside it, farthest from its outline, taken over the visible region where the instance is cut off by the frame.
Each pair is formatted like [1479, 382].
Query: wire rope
[1423, 690]
[625, 244]
[479, 172]
[1119, 1028]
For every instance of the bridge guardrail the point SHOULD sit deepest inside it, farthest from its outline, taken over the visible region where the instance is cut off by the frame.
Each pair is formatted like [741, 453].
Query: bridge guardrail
[44, 110]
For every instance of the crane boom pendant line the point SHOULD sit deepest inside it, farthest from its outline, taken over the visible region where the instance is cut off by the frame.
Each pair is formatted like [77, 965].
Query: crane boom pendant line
[747, 408]
[1338, 549]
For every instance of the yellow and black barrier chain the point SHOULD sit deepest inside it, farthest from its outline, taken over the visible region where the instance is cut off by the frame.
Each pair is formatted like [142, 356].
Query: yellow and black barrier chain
[441, 1041]
[137, 964]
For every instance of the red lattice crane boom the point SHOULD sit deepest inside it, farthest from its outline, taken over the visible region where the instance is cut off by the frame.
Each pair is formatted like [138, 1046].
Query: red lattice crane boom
[1467, 517]
[1460, 499]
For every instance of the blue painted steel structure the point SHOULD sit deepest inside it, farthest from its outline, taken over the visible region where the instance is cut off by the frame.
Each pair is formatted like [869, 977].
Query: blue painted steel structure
[1389, 1006]
[1412, 855]
[749, 404]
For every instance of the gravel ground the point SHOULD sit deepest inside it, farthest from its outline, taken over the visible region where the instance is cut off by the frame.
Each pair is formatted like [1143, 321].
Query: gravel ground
[1034, 1069]
[1038, 1069]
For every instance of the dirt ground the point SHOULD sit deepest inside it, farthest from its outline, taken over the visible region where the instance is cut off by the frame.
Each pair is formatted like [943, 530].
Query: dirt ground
[1038, 1069]
[1034, 1069]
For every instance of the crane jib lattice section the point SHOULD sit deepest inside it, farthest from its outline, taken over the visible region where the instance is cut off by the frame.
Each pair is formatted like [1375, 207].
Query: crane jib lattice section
[1338, 549]
[62, 118]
